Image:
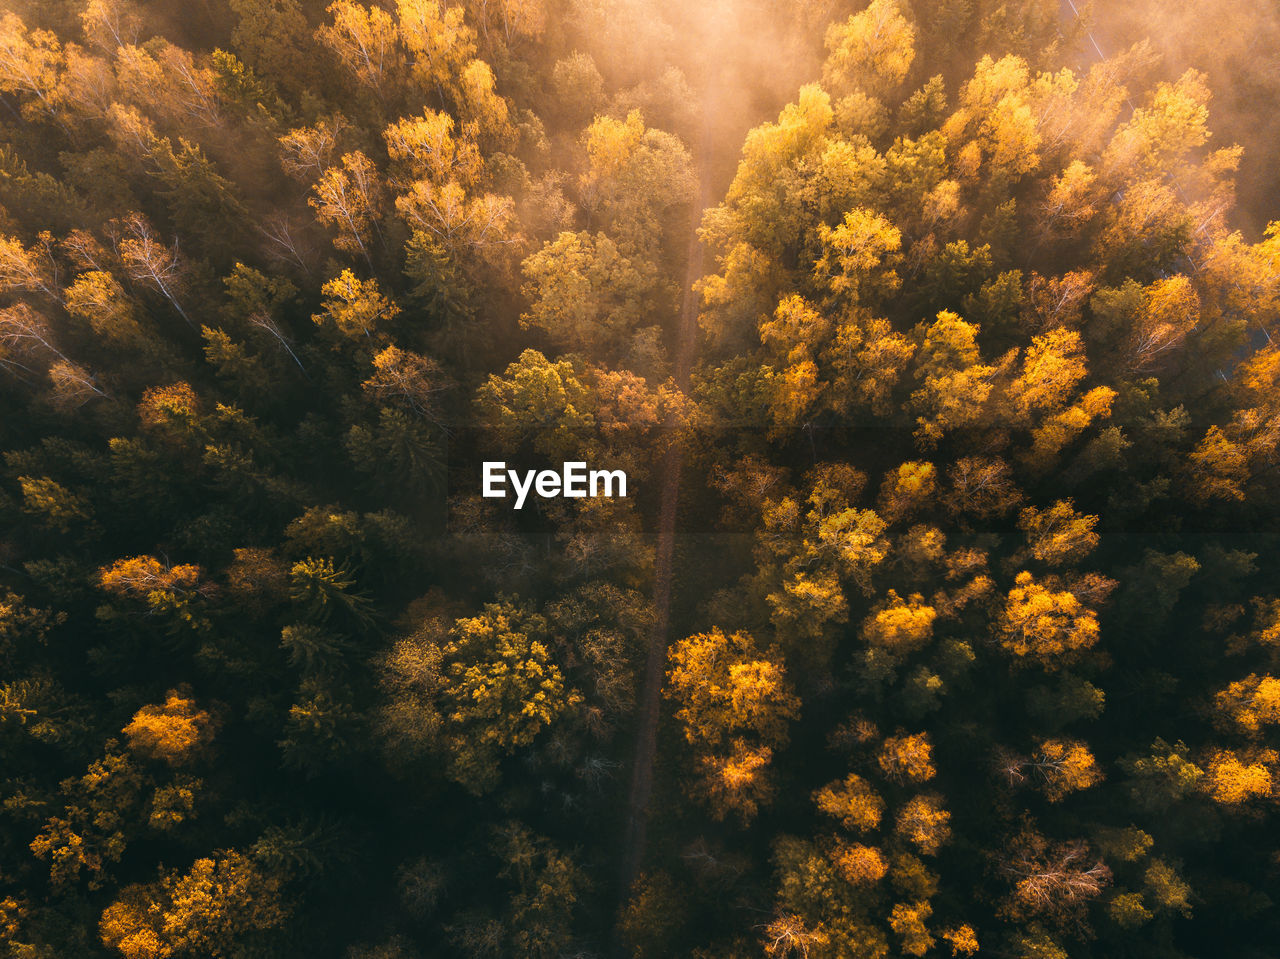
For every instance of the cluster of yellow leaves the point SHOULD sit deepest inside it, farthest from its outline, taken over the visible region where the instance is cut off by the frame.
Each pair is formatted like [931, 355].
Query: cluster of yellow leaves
[1056, 302]
[1250, 703]
[610, 143]
[954, 382]
[496, 662]
[405, 378]
[364, 40]
[962, 939]
[816, 549]
[920, 548]
[734, 705]
[1052, 367]
[438, 40]
[173, 805]
[583, 290]
[871, 51]
[55, 506]
[859, 256]
[514, 18]
[437, 162]
[1267, 616]
[789, 332]
[788, 935]
[458, 221]
[476, 93]
[98, 297]
[354, 307]
[91, 832]
[1055, 432]
[1171, 311]
[1071, 202]
[1227, 456]
[425, 147]
[174, 408]
[925, 822]
[859, 864]
[737, 781]
[173, 731]
[142, 577]
[29, 65]
[910, 487]
[982, 486]
[627, 405]
[541, 399]
[1045, 624]
[70, 853]
[1166, 888]
[1219, 466]
[1059, 535]
[908, 921]
[1256, 377]
[994, 128]
[907, 758]
[305, 152]
[849, 537]
[1066, 766]
[900, 626]
[1172, 124]
[72, 385]
[346, 197]
[168, 83]
[867, 359]
[725, 684]
[205, 912]
[852, 801]
[25, 269]
[12, 912]
[637, 179]
[1233, 778]
[851, 362]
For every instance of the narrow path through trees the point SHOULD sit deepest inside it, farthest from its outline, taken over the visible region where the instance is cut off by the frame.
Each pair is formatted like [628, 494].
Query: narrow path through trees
[649, 711]
[659, 639]
[724, 43]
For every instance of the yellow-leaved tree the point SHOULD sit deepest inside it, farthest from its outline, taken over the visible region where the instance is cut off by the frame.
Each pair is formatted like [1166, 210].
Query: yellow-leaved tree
[733, 704]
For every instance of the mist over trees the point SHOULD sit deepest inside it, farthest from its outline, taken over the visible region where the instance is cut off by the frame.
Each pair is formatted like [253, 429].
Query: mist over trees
[935, 339]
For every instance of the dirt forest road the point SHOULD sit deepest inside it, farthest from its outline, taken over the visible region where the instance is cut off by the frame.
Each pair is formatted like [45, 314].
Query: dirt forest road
[725, 43]
[722, 47]
[664, 560]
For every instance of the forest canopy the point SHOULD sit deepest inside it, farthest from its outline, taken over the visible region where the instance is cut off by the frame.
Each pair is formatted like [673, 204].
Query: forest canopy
[934, 337]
